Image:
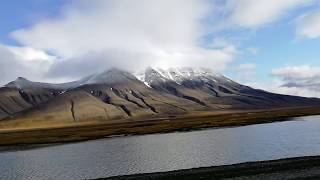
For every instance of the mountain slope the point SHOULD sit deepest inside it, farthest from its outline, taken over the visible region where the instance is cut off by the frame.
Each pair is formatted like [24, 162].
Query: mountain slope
[114, 95]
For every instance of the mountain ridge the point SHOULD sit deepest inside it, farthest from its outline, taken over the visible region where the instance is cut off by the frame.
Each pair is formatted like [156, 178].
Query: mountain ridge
[115, 94]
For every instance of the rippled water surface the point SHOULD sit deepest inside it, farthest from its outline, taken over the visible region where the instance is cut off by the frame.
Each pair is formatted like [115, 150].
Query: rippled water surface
[164, 152]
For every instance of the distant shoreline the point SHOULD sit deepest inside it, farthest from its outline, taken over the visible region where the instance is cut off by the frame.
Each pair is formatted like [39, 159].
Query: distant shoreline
[290, 168]
[161, 125]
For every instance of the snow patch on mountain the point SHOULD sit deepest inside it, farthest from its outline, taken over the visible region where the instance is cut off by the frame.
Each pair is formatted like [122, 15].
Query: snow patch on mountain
[178, 75]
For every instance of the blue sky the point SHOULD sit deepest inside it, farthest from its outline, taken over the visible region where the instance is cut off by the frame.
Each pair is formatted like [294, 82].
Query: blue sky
[278, 46]
[267, 44]
[16, 14]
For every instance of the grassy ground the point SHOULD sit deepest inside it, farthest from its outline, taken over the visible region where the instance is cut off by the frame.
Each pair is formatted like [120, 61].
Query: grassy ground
[128, 127]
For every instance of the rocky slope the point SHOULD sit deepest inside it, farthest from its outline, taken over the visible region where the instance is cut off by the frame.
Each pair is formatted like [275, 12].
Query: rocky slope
[115, 94]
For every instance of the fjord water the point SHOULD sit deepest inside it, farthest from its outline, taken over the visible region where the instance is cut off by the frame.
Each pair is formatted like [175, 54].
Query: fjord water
[165, 152]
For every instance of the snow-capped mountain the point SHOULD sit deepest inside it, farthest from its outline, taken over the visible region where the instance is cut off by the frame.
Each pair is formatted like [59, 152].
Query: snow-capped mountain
[177, 74]
[182, 76]
[112, 76]
[118, 94]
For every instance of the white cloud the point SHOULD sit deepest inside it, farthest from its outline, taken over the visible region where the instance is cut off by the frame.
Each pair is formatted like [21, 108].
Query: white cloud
[128, 34]
[91, 36]
[304, 78]
[23, 61]
[301, 80]
[308, 25]
[276, 86]
[30, 54]
[253, 13]
[303, 72]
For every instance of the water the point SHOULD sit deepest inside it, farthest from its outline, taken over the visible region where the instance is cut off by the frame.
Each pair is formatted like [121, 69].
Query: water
[164, 152]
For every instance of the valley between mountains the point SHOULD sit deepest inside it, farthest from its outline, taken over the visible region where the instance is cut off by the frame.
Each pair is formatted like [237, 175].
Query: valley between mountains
[114, 101]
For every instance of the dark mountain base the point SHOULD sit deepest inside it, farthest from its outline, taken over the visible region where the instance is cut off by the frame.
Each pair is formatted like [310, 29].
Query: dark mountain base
[291, 168]
[147, 126]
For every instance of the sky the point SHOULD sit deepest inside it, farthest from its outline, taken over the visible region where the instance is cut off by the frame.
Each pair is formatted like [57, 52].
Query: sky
[267, 44]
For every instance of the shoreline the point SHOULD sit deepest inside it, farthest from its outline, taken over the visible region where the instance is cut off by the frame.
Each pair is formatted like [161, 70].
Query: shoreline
[307, 167]
[161, 125]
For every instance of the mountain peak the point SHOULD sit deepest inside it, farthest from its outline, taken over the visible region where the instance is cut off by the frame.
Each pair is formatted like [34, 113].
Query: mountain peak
[21, 79]
[20, 82]
[111, 76]
[149, 76]
[177, 74]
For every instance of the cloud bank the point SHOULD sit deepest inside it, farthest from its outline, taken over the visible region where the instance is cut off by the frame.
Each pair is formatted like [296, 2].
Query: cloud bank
[91, 36]
[26, 62]
[94, 35]
[128, 34]
[305, 77]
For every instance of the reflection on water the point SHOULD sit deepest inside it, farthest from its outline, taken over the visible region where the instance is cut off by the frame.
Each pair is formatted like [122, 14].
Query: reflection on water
[164, 152]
